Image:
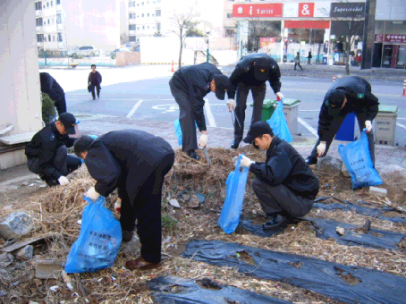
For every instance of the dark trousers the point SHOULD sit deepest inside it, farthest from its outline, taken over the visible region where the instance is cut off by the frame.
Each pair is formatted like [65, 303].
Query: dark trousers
[258, 94]
[61, 105]
[146, 209]
[335, 126]
[62, 161]
[280, 199]
[92, 89]
[298, 64]
[186, 118]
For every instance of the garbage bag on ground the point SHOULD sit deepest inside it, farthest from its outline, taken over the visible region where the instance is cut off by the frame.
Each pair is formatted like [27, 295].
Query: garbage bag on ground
[279, 125]
[178, 131]
[235, 192]
[350, 284]
[357, 159]
[99, 240]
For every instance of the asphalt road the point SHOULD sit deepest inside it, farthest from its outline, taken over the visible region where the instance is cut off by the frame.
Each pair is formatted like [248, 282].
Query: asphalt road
[151, 100]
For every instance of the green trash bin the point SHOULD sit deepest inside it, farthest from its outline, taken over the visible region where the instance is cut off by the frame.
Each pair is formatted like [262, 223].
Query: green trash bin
[267, 109]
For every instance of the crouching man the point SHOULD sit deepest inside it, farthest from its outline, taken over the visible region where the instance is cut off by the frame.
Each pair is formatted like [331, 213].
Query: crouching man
[47, 153]
[135, 163]
[284, 184]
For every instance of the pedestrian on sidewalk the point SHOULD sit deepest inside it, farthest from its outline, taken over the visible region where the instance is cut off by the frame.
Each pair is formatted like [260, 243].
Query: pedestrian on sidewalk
[94, 80]
[309, 58]
[51, 87]
[251, 74]
[346, 95]
[297, 61]
[284, 184]
[189, 85]
[134, 162]
[47, 153]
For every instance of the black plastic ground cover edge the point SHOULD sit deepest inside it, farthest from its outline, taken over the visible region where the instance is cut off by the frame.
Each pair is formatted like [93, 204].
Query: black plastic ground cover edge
[329, 279]
[175, 290]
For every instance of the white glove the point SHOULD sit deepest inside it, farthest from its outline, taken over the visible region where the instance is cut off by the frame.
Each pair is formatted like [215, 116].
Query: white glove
[279, 96]
[63, 181]
[92, 194]
[246, 162]
[321, 149]
[231, 104]
[368, 125]
[117, 206]
[203, 141]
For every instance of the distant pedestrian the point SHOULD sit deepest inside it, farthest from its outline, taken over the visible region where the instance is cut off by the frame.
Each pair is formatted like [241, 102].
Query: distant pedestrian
[309, 58]
[297, 61]
[94, 82]
[51, 87]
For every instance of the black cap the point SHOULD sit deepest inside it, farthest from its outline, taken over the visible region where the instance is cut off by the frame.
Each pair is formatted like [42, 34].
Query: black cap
[222, 83]
[257, 129]
[68, 121]
[261, 69]
[335, 102]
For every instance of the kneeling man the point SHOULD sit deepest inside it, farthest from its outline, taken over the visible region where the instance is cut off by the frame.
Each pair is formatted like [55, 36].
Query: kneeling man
[284, 184]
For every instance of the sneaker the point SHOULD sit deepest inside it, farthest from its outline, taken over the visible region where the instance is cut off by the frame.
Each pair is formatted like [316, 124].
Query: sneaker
[193, 154]
[235, 144]
[276, 221]
[52, 182]
[127, 235]
[311, 160]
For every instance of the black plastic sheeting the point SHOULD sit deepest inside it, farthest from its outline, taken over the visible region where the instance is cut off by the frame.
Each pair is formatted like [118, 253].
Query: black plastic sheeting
[349, 284]
[353, 236]
[347, 206]
[174, 290]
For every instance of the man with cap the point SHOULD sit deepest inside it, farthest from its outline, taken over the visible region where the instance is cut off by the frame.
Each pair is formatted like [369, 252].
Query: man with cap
[51, 87]
[251, 73]
[346, 95]
[47, 153]
[285, 185]
[189, 85]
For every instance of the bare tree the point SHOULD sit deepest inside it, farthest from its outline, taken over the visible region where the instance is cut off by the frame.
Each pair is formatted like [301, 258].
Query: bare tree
[124, 38]
[183, 23]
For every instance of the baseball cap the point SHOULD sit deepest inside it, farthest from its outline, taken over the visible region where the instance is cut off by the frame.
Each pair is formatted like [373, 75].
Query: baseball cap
[68, 121]
[261, 69]
[257, 129]
[335, 102]
[222, 84]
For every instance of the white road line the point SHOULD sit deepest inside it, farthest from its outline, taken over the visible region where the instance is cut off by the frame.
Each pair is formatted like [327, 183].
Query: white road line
[135, 107]
[308, 127]
[210, 117]
[401, 118]
[309, 110]
[400, 125]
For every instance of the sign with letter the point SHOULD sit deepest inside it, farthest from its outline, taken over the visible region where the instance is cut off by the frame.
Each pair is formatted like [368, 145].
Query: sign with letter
[348, 9]
[257, 10]
[306, 9]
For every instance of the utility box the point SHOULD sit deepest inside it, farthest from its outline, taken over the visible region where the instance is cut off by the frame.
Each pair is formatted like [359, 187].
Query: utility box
[385, 125]
[291, 111]
[268, 107]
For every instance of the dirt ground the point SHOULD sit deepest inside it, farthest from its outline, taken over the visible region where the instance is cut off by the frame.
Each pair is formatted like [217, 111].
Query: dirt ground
[57, 211]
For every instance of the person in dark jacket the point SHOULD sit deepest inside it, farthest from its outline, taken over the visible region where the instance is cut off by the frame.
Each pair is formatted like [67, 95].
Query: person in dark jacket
[309, 58]
[285, 185]
[346, 95]
[51, 87]
[47, 153]
[94, 80]
[134, 162]
[250, 74]
[188, 86]
[297, 61]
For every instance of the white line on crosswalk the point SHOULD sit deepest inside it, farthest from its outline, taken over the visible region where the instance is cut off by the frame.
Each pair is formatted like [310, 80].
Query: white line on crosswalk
[135, 107]
[307, 126]
[210, 117]
[400, 125]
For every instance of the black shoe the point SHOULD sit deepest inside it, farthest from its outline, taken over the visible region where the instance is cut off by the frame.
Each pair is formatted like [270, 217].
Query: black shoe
[277, 220]
[192, 154]
[311, 160]
[127, 235]
[52, 182]
[235, 144]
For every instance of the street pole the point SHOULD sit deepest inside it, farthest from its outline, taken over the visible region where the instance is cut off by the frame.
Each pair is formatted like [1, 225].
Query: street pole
[369, 34]
[208, 51]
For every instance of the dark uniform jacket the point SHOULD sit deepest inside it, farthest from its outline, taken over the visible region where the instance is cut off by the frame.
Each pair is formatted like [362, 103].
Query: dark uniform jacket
[359, 100]
[244, 73]
[94, 78]
[50, 86]
[195, 81]
[285, 166]
[44, 145]
[125, 159]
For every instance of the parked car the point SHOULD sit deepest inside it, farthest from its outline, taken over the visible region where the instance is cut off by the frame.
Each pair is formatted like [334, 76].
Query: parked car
[114, 53]
[85, 51]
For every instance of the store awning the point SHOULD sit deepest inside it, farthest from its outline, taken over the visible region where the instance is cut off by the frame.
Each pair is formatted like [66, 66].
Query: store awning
[306, 24]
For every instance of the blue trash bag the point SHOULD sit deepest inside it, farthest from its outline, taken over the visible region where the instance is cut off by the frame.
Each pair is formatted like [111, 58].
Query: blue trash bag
[231, 212]
[178, 131]
[357, 159]
[99, 240]
[279, 125]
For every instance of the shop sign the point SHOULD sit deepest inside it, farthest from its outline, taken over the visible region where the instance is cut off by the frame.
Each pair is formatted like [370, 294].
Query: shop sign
[395, 38]
[322, 9]
[348, 9]
[290, 10]
[306, 9]
[265, 41]
[378, 38]
[257, 10]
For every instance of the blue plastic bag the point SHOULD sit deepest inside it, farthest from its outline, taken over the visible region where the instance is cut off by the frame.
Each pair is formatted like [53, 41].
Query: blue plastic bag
[357, 159]
[279, 125]
[99, 240]
[235, 192]
[178, 131]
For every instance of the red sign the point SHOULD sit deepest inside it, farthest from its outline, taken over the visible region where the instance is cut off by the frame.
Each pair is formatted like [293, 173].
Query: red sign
[257, 10]
[395, 38]
[306, 9]
[265, 41]
[307, 24]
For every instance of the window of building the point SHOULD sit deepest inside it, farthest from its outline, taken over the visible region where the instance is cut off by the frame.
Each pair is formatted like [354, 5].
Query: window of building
[131, 15]
[40, 37]
[47, 4]
[142, 15]
[143, 27]
[229, 15]
[52, 3]
[148, 27]
[38, 21]
[53, 38]
[58, 2]
[158, 13]
[142, 3]
[131, 4]
[158, 1]
[49, 21]
[131, 27]
[49, 37]
[53, 21]
[132, 38]
[38, 6]
[148, 15]
[58, 18]
[59, 37]
[138, 28]
[158, 27]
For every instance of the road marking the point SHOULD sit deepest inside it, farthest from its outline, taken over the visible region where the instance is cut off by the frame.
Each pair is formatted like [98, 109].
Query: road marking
[135, 107]
[210, 117]
[401, 118]
[308, 127]
[309, 110]
[400, 125]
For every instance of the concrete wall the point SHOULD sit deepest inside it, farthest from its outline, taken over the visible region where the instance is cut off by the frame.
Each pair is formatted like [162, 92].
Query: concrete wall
[127, 58]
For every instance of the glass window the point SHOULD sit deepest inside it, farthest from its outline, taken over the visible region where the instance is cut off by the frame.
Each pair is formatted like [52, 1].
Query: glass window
[58, 18]
[148, 15]
[38, 6]
[158, 13]
[59, 37]
[229, 15]
[49, 37]
[132, 38]
[38, 21]
[57, 3]
[40, 37]
[52, 3]
[158, 27]
[142, 15]
[131, 27]
[258, 29]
